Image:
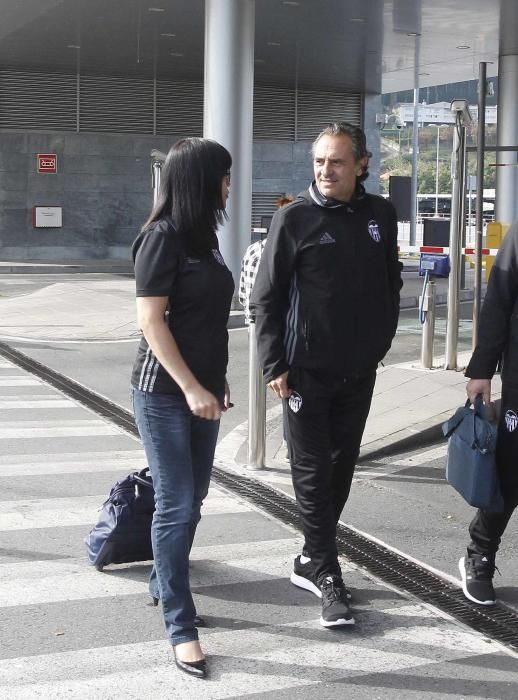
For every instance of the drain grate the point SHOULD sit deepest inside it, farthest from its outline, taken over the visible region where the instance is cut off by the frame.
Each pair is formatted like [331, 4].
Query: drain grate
[498, 622]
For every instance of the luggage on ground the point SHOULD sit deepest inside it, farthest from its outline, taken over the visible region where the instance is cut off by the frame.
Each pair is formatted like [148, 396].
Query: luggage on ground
[123, 531]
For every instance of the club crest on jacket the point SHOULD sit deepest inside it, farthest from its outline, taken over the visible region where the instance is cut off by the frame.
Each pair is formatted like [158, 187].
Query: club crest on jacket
[374, 231]
[511, 421]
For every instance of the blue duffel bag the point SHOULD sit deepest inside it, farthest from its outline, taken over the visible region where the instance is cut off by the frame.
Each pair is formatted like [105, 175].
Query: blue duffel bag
[471, 465]
[123, 531]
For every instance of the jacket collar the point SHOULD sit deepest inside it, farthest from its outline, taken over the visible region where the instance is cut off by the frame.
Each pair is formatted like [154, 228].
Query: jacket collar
[329, 203]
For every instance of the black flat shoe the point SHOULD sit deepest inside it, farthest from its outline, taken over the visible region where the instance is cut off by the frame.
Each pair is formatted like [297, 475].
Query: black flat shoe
[198, 621]
[198, 669]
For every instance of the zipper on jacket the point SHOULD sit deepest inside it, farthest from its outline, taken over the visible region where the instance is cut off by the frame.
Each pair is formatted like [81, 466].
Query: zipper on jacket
[306, 335]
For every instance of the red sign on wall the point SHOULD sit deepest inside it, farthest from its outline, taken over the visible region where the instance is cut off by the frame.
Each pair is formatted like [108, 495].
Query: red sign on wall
[47, 163]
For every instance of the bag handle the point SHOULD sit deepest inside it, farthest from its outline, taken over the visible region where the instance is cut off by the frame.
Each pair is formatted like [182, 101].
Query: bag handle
[480, 410]
[143, 479]
[478, 405]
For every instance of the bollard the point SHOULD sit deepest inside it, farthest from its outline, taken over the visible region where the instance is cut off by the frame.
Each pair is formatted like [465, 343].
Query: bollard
[256, 405]
[427, 305]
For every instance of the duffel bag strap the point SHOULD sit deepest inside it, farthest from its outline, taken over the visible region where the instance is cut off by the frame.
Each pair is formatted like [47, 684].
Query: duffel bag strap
[143, 478]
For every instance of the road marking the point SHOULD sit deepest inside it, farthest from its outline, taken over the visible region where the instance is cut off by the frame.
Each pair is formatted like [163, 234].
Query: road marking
[423, 457]
[18, 381]
[274, 656]
[135, 461]
[10, 403]
[78, 580]
[70, 512]
[11, 430]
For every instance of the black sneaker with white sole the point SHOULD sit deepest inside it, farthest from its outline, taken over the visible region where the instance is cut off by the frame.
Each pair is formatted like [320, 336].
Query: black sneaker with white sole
[477, 573]
[335, 606]
[303, 576]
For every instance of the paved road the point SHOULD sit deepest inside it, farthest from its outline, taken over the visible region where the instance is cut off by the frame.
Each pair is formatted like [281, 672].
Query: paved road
[68, 631]
[59, 466]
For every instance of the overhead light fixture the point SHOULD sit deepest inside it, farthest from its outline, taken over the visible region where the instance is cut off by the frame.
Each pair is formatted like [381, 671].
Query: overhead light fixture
[73, 46]
[463, 47]
[356, 19]
[274, 43]
[176, 54]
[155, 9]
[168, 34]
[413, 34]
[291, 2]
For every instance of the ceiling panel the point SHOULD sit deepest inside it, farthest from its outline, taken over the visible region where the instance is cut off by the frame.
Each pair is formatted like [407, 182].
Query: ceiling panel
[340, 44]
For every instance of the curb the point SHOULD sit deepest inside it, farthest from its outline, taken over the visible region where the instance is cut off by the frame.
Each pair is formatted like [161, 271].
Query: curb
[124, 268]
[409, 439]
[440, 299]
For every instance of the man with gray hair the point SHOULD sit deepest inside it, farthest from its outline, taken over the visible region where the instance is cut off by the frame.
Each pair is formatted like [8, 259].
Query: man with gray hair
[326, 303]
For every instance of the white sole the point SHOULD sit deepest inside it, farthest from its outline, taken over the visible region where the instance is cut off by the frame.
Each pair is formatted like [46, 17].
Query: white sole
[465, 589]
[302, 582]
[337, 623]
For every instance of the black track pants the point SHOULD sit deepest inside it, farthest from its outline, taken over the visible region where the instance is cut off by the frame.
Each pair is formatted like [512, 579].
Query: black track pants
[325, 419]
[486, 529]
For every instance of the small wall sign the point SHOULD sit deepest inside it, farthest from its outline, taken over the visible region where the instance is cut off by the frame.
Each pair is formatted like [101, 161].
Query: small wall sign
[47, 217]
[47, 163]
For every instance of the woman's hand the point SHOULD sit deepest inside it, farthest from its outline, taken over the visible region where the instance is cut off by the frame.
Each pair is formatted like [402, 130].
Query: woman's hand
[202, 403]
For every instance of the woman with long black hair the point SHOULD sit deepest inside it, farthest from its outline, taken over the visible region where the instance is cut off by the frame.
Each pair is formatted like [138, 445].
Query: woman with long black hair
[179, 388]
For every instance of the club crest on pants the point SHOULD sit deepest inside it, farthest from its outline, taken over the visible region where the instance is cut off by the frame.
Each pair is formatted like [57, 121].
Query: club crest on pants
[511, 421]
[295, 402]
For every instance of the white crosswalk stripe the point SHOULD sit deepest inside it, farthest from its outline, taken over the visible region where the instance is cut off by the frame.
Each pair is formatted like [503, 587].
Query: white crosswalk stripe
[13, 403]
[11, 430]
[95, 638]
[18, 381]
[72, 463]
[69, 512]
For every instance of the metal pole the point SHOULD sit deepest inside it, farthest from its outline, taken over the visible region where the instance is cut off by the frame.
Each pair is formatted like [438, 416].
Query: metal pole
[457, 208]
[415, 150]
[437, 173]
[428, 326]
[256, 406]
[462, 217]
[415, 144]
[156, 170]
[479, 211]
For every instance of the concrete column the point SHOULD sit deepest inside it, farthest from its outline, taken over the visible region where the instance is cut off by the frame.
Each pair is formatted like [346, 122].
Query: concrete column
[371, 106]
[507, 176]
[228, 111]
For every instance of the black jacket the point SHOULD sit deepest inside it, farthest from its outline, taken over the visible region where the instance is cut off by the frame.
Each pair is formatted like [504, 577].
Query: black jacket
[498, 326]
[326, 296]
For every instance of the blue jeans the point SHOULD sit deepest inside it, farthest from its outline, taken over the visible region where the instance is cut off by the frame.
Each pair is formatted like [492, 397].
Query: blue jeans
[180, 452]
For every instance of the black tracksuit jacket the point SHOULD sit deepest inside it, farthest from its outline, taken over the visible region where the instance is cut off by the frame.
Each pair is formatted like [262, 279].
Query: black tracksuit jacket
[326, 296]
[498, 326]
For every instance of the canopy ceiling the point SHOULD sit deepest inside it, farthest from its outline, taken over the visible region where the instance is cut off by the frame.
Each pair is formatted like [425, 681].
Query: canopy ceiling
[352, 45]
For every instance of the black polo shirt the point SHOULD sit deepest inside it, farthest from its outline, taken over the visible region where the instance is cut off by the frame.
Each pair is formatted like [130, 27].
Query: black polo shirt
[200, 292]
